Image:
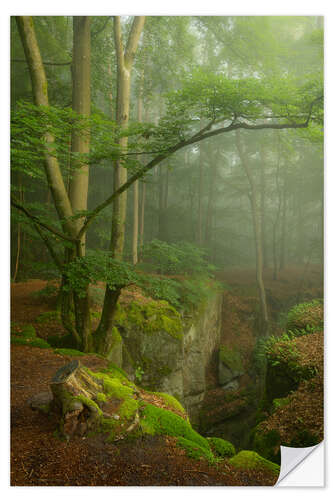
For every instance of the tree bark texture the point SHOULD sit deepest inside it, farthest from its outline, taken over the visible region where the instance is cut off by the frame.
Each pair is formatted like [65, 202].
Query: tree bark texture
[125, 60]
[79, 181]
[40, 95]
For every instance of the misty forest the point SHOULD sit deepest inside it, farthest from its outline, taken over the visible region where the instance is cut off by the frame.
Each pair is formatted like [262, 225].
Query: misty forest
[166, 248]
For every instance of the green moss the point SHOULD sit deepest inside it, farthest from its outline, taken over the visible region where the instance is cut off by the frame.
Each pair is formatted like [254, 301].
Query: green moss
[231, 358]
[280, 403]
[89, 403]
[113, 387]
[150, 317]
[35, 342]
[69, 352]
[193, 450]
[101, 398]
[221, 447]
[45, 317]
[171, 401]
[128, 408]
[26, 331]
[249, 460]
[159, 421]
[116, 372]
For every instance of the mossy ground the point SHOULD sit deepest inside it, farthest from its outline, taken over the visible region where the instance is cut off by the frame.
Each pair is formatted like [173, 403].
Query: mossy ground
[251, 460]
[221, 447]
[156, 420]
[26, 335]
[193, 450]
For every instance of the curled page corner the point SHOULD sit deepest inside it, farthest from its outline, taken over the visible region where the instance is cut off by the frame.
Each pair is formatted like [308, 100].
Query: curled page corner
[292, 457]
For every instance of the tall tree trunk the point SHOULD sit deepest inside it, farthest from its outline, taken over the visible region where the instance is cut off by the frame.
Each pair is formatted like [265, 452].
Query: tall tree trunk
[124, 66]
[66, 204]
[79, 181]
[18, 247]
[257, 229]
[200, 195]
[163, 181]
[283, 226]
[39, 89]
[276, 222]
[125, 60]
[135, 233]
[211, 201]
[142, 213]
[263, 165]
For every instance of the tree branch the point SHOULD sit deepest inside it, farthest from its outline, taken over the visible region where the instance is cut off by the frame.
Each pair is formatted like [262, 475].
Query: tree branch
[133, 39]
[36, 220]
[199, 136]
[97, 32]
[47, 242]
[44, 62]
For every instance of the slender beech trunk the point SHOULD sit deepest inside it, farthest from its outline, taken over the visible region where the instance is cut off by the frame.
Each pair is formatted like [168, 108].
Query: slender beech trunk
[200, 195]
[142, 214]
[79, 180]
[283, 226]
[125, 60]
[263, 165]
[163, 181]
[40, 95]
[135, 233]
[257, 228]
[54, 176]
[211, 202]
[18, 247]
[276, 222]
[52, 168]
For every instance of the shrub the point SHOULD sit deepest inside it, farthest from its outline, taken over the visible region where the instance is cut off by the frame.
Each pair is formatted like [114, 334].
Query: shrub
[306, 316]
[176, 258]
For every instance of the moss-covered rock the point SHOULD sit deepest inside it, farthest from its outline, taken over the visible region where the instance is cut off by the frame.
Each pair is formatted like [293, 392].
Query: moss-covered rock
[221, 447]
[193, 450]
[230, 364]
[152, 333]
[156, 420]
[251, 460]
[171, 401]
[150, 317]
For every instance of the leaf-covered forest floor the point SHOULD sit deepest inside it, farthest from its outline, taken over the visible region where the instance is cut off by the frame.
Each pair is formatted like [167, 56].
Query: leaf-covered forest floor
[39, 457]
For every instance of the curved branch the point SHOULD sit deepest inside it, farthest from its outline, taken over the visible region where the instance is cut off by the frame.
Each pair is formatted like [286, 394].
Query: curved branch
[45, 63]
[199, 136]
[40, 223]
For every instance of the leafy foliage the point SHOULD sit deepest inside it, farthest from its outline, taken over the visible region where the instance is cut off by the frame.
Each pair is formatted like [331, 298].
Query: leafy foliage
[176, 258]
[98, 266]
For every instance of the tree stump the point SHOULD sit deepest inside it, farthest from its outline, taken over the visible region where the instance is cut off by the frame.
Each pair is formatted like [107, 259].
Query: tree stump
[74, 398]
